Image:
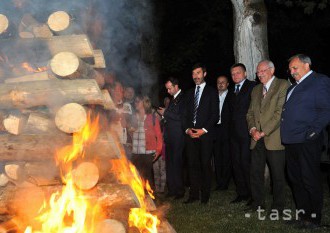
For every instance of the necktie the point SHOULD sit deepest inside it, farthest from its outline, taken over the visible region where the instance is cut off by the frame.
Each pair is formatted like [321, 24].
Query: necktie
[236, 89]
[196, 104]
[264, 91]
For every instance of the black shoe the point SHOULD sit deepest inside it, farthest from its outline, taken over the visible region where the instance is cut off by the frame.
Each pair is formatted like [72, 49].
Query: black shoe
[239, 199]
[190, 200]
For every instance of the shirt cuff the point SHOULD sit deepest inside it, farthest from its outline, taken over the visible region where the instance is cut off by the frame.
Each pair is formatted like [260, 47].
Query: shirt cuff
[205, 130]
[252, 129]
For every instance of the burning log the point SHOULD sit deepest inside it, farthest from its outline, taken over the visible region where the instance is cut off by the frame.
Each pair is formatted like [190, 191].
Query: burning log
[39, 76]
[68, 65]
[30, 28]
[13, 171]
[44, 147]
[49, 93]
[85, 175]
[4, 23]
[14, 123]
[110, 225]
[71, 118]
[3, 180]
[13, 198]
[59, 21]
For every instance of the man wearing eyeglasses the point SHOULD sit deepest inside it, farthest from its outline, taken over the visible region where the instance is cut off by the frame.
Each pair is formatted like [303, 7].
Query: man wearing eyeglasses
[305, 114]
[263, 119]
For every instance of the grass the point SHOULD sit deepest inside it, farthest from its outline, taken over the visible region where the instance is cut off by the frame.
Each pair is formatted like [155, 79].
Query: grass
[221, 216]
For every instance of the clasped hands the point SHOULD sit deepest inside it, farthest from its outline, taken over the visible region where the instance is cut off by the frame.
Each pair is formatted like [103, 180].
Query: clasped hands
[195, 133]
[256, 135]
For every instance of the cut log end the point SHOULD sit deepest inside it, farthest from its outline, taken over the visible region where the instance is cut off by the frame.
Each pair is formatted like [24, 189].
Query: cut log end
[58, 21]
[64, 64]
[86, 175]
[71, 118]
[4, 23]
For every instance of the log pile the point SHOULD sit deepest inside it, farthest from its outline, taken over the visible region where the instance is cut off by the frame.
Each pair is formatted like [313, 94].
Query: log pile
[50, 80]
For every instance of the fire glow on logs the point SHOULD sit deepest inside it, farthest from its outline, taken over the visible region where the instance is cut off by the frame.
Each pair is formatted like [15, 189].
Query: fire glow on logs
[69, 211]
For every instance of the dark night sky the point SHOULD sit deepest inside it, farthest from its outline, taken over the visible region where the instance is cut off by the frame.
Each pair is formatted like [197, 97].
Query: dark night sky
[202, 31]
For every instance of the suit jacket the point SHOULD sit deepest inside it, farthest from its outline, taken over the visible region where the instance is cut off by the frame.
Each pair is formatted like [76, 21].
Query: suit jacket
[239, 105]
[265, 113]
[307, 111]
[223, 128]
[207, 112]
[174, 116]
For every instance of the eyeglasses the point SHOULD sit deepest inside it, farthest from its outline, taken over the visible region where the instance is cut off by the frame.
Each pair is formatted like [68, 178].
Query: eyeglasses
[263, 71]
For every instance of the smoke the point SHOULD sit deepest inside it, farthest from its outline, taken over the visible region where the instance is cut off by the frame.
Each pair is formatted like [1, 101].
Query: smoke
[122, 29]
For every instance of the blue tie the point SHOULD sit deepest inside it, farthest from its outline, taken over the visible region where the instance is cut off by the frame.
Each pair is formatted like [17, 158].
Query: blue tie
[196, 104]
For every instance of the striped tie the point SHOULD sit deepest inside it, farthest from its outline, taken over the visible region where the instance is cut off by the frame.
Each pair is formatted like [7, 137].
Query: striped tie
[196, 104]
[264, 92]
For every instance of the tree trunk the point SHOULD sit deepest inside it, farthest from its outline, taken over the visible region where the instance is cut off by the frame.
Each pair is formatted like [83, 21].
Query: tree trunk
[250, 33]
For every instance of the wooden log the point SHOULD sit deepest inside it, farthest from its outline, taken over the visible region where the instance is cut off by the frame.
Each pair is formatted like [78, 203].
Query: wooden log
[99, 61]
[14, 123]
[71, 118]
[30, 49]
[3, 180]
[4, 23]
[85, 175]
[14, 171]
[110, 225]
[39, 76]
[49, 93]
[30, 28]
[59, 21]
[14, 199]
[69, 65]
[39, 123]
[108, 102]
[44, 147]
[42, 173]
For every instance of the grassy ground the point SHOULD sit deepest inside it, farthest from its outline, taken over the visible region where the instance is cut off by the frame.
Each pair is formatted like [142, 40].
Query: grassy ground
[220, 216]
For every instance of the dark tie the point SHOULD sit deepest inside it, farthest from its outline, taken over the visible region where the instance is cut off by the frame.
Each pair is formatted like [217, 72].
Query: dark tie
[236, 89]
[196, 103]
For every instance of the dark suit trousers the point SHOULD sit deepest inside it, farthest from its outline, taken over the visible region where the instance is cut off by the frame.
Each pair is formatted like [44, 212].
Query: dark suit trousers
[222, 160]
[174, 163]
[199, 154]
[276, 162]
[303, 165]
[241, 158]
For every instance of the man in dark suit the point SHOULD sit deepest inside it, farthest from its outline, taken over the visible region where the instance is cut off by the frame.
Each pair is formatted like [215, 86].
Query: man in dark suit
[240, 97]
[305, 114]
[174, 139]
[222, 158]
[201, 116]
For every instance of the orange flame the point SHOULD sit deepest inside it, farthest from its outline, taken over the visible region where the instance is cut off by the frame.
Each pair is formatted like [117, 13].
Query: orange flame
[70, 211]
[138, 217]
[29, 68]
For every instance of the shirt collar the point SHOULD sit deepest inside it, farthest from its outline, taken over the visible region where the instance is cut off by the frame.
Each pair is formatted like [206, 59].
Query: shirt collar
[269, 83]
[177, 94]
[303, 77]
[202, 85]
